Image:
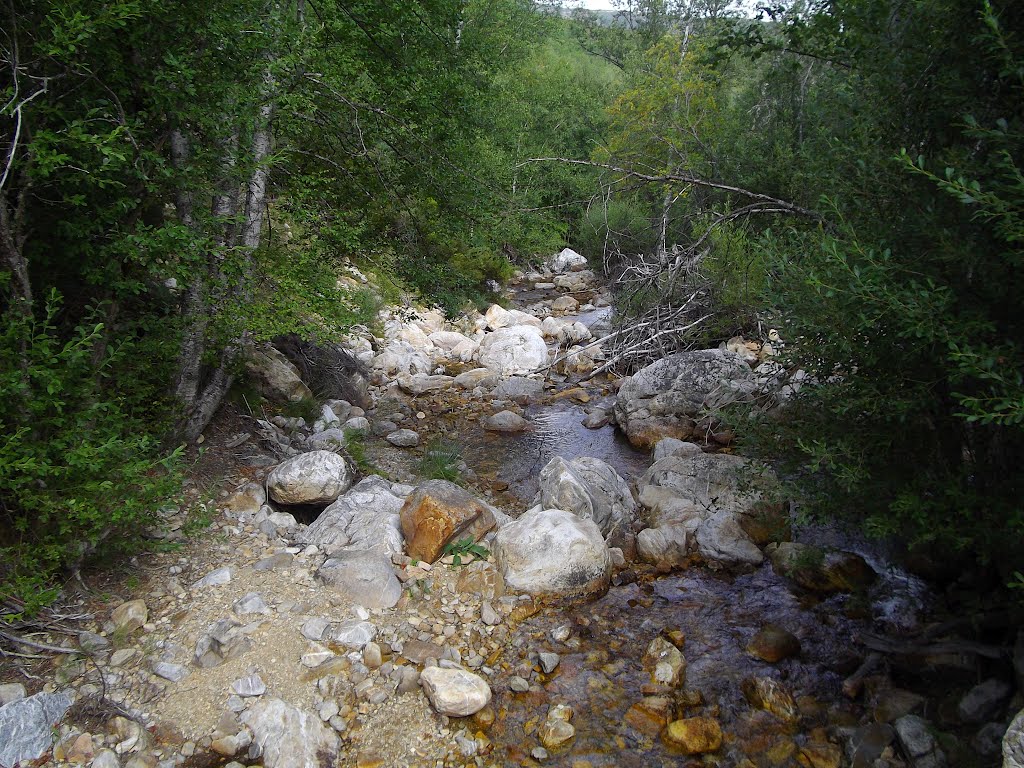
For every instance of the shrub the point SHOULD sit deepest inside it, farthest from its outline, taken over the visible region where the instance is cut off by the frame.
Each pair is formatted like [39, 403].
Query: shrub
[79, 474]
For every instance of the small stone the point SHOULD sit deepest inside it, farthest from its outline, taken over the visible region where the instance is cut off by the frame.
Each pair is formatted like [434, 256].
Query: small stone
[130, 616]
[821, 756]
[669, 665]
[215, 578]
[252, 685]
[121, 657]
[561, 633]
[81, 750]
[555, 733]
[915, 736]
[773, 644]
[168, 671]
[355, 634]
[410, 680]
[106, 758]
[651, 714]
[92, 643]
[769, 694]
[548, 662]
[314, 629]
[316, 657]
[274, 562]
[488, 615]
[505, 421]
[539, 753]
[404, 438]
[984, 701]
[695, 735]
[372, 656]
[456, 692]
[249, 604]
[518, 684]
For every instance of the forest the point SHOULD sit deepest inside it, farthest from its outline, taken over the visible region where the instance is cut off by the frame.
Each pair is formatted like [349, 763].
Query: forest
[180, 181]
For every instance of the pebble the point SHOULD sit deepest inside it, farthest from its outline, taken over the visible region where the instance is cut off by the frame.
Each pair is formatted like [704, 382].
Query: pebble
[518, 684]
[252, 685]
[548, 662]
[168, 671]
[214, 578]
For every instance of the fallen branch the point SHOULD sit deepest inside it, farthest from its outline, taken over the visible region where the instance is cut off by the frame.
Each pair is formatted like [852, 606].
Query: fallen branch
[955, 646]
[38, 646]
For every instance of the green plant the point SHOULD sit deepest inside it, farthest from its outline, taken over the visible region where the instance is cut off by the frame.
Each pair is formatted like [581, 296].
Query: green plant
[355, 447]
[440, 461]
[459, 549]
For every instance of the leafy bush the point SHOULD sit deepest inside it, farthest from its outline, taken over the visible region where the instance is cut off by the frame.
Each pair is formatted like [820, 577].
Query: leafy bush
[79, 474]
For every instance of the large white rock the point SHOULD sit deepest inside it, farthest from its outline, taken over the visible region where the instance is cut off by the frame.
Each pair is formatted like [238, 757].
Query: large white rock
[497, 317]
[593, 490]
[665, 547]
[275, 376]
[455, 692]
[365, 518]
[400, 357]
[449, 340]
[715, 482]
[511, 351]
[669, 396]
[366, 578]
[317, 477]
[290, 737]
[568, 260]
[1013, 743]
[721, 539]
[27, 727]
[551, 551]
[420, 383]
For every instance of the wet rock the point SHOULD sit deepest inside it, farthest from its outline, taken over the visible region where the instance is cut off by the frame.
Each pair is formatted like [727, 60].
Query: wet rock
[593, 490]
[773, 644]
[505, 421]
[364, 577]
[891, 704]
[365, 518]
[668, 397]
[290, 737]
[820, 571]
[518, 388]
[597, 418]
[555, 733]
[439, 512]
[130, 616]
[553, 552]
[511, 351]
[548, 662]
[651, 714]
[403, 438]
[222, 640]
[317, 477]
[918, 742]
[664, 547]
[987, 742]
[770, 695]
[455, 692]
[867, 743]
[821, 755]
[1013, 743]
[275, 376]
[665, 662]
[984, 701]
[519, 684]
[695, 735]
[27, 727]
[481, 578]
[722, 539]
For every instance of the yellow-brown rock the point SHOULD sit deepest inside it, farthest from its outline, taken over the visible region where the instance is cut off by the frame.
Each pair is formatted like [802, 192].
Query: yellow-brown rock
[651, 714]
[695, 735]
[773, 644]
[821, 756]
[439, 512]
[770, 695]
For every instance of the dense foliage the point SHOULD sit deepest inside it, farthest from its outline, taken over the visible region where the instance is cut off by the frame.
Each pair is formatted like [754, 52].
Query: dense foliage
[180, 180]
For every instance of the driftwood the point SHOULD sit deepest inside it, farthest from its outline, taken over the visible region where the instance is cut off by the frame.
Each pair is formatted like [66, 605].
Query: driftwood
[933, 648]
[855, 682]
